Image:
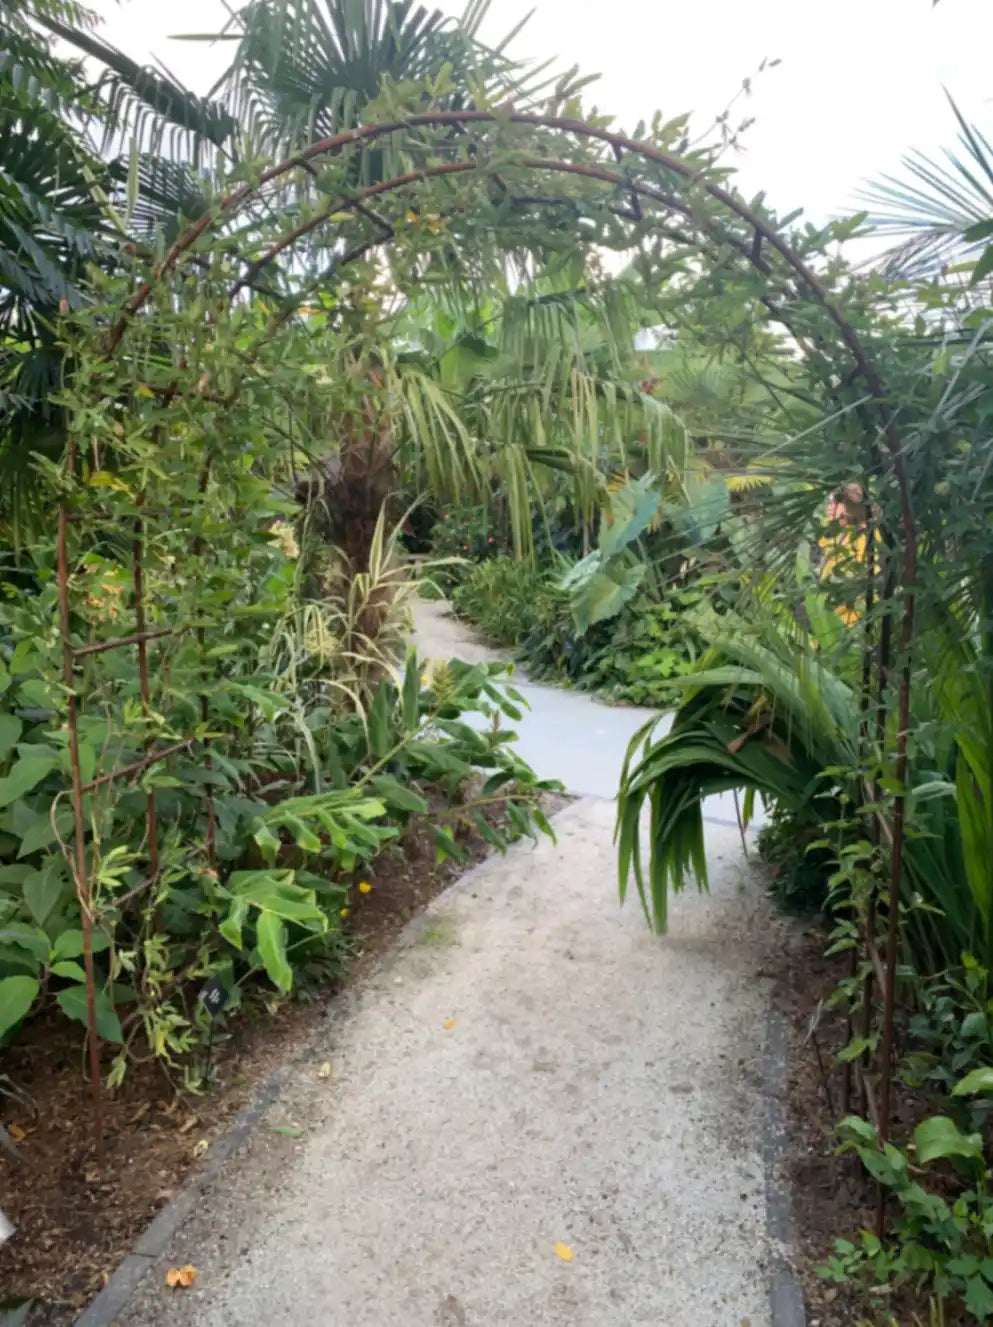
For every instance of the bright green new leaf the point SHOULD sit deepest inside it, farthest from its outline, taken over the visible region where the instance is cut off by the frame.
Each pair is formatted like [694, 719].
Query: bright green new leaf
[232, 924]
[69, 969]
[980, 1080]
[940, 1137]
[270, 935]
[269, 843]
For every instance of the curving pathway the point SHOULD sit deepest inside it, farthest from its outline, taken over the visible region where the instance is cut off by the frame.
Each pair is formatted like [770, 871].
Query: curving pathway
[537, 1113]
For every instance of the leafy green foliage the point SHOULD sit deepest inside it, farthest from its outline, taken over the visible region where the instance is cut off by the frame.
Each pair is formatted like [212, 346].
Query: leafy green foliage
[940, 1248]
[505, 599]
[801, 866]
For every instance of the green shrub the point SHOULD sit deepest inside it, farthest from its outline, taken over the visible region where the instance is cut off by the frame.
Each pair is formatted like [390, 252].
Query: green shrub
[791, 843]
[939, 1246]
[505, 599]
[631, 658]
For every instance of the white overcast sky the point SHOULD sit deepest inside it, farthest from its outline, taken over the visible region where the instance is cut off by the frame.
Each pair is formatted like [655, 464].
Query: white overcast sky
[860, 81]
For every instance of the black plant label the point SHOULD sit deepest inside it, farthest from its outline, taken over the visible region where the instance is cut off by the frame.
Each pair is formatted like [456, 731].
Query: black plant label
[214, 997]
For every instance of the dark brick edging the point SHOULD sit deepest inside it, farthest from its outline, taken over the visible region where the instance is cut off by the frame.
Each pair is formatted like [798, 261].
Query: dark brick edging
[114, 1298]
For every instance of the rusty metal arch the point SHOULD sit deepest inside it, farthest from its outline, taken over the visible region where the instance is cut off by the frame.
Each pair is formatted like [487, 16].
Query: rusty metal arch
[668, 196]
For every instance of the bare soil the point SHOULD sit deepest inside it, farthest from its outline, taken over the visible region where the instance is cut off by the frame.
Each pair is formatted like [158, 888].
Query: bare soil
[76, 1216]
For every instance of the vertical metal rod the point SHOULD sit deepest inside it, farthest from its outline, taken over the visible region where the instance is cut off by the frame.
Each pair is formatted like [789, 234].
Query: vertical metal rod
[865, 1021]
[137, 552]
[908, 580]
[80, 872]
[210, 839]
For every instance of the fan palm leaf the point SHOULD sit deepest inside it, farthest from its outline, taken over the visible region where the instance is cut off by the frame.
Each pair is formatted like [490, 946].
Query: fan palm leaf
[938, 207]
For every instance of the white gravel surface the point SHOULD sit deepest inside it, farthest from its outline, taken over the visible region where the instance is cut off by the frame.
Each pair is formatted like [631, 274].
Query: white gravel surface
[530, 1067]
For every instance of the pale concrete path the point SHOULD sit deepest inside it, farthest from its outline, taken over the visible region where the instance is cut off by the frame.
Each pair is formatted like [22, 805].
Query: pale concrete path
[530, 1067]
[564, 734]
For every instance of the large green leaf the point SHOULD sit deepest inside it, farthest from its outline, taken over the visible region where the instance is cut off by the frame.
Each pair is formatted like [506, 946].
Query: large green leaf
[17, 995]
[72, 1001]
[277, 892]
[939, 1138]
[706, 504]
[44, 888]
[604, 592]
[979, 1080]
[26, 773]
[632, 510]
[10, 732]
[270, 935]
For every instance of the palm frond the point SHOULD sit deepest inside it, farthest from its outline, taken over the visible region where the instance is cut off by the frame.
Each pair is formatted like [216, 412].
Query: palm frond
[933, 206]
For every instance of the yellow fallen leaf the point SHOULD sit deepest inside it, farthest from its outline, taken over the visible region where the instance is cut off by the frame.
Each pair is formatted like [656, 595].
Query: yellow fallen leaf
[200, 1147]
[448, 1024]
[17, 1133]
[181, 1276]
[325, 1070]
[564, 1252]
[365, 887]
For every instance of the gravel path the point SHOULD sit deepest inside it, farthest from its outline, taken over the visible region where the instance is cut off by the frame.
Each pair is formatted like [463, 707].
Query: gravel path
[537, 1113]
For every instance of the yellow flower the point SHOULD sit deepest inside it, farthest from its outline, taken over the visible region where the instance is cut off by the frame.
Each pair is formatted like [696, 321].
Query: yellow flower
[345, 912]
[282, 534]
[365, 887]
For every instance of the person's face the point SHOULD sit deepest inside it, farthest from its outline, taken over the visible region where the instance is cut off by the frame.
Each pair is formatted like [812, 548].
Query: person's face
[837, 511]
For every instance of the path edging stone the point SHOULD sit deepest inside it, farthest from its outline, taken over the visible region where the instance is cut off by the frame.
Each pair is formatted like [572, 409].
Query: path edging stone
[786, 1301]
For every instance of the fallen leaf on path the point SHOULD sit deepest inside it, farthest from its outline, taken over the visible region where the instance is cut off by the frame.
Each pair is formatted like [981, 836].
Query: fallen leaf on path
[564, 1252]
[448, 1024]
[200, 1147]
[17, 1133]
[181, 1276]
[325, 1070]
[288, 1130]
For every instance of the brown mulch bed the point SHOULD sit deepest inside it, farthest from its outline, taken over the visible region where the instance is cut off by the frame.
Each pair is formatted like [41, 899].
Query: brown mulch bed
[77, 1216]
[832, 1196]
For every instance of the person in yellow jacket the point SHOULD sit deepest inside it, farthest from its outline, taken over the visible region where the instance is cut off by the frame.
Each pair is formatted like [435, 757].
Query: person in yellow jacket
[843, 551]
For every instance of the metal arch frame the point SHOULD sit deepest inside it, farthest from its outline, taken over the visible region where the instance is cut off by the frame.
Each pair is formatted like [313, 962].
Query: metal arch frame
[685, 176]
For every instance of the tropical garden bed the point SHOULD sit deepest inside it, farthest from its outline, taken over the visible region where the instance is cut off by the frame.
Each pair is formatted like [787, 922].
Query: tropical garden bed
[240, 378]
[79, 1216]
